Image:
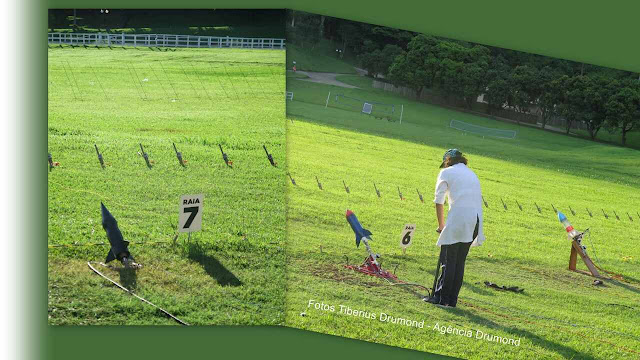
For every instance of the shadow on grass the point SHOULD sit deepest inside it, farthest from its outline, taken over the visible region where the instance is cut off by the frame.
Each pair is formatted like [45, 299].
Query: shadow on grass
[480, 290]
[628, 287]
[560, 349]
[528, 146]
[128, 278]
[196, 252]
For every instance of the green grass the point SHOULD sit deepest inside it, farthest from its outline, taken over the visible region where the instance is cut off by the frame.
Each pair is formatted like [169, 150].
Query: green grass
[296, 75]
[363, 82]
[614, 137]
[318, 61]
[231, 272]
[560, 314]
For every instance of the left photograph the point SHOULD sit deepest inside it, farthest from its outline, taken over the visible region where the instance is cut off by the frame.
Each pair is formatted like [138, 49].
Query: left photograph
[166, 167]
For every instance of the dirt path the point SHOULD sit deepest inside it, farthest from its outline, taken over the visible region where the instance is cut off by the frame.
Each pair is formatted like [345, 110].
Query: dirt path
[325, 78]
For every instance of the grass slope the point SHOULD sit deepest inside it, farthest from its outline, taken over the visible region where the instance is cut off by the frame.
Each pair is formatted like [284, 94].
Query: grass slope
[316, 61]
[614, 137]
[229, 273]
[560, 314]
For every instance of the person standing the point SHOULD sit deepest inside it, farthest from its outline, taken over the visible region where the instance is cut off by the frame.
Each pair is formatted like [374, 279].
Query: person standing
[463, 227]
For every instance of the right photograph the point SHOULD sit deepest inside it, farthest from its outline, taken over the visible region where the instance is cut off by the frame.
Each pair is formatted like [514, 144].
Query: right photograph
[460, 199]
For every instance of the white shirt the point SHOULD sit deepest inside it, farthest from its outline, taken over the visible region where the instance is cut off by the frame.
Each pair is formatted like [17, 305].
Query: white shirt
[461, 187]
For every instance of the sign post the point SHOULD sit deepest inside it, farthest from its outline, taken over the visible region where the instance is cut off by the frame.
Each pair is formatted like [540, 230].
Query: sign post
[190, 216]
[406, 236]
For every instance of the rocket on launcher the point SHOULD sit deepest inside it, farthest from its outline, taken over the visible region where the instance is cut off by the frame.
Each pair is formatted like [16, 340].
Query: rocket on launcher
[357, 228]
[119, 247]
[571, 232]
[371, 266]
[567, 226]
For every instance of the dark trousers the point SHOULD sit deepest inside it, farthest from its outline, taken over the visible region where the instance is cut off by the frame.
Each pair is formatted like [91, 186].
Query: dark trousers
[452, 260]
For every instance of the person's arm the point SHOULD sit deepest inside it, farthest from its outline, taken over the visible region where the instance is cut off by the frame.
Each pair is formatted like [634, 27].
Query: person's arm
[440, 216]
[441, 191]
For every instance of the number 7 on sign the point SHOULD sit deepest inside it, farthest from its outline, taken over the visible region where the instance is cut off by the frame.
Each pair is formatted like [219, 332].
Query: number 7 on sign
[190, 215]
[194, 211]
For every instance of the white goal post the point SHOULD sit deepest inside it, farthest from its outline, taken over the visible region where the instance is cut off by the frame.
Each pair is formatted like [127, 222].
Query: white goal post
[367, 108]
[481, 130]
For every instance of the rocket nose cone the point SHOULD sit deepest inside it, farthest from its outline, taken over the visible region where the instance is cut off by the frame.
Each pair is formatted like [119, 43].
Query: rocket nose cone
[106, 215]
[561, 216]
[349, 213]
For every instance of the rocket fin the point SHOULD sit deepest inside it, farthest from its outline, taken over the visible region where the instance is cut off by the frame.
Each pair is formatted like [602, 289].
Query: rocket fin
[110, 257]
[366, 233]
[358, 241]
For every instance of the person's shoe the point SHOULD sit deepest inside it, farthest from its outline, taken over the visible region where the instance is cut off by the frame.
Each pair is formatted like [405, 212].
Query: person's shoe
[444, 305]
[431, 299]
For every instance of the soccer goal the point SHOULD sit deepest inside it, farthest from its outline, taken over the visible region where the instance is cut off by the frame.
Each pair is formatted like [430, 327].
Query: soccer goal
[481, 130]
[365, 106]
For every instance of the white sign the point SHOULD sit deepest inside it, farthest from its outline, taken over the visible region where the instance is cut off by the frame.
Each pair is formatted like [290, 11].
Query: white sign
[366, 108]
[190, 217]
[407, 235]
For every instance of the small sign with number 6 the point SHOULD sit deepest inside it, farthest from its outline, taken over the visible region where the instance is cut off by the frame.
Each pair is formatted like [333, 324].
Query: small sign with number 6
[190, 217]
[407, 235]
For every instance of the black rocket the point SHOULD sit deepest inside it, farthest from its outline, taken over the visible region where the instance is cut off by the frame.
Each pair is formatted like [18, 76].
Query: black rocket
[269, 157]
[119, 247]
[225, 157]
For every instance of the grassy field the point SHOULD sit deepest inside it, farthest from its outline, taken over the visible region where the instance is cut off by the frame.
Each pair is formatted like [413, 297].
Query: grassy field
[231, 272]
[316, 61]
[614, 137]
[559, 315]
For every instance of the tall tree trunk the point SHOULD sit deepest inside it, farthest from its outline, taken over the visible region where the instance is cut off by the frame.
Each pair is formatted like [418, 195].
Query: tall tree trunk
[568, 126]
[344, 48]
[543, 118]
[321, 26]
[293, 19]
[625, 130]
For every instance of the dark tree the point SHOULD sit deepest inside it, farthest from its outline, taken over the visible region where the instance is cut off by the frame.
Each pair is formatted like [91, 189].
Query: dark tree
[623, 108]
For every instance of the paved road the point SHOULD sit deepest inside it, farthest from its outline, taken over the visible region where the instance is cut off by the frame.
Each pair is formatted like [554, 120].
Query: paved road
[325, 78]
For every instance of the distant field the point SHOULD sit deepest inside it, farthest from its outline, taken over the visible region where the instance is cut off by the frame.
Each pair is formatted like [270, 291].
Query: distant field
[633, 137]
[316, 61]
[559, 315]
[232, 272]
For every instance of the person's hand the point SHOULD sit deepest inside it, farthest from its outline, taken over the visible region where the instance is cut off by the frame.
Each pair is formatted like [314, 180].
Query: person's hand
[439, 230]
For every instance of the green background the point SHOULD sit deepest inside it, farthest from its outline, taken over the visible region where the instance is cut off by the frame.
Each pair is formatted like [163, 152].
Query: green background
[602, 34]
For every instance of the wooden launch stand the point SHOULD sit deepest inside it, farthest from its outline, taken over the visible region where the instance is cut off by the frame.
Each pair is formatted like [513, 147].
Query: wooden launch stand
[576, 249]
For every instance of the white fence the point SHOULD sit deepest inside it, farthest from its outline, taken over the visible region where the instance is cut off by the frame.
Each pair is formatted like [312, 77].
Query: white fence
[163, 40]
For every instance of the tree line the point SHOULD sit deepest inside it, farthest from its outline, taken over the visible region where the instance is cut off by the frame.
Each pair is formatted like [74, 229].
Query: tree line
[600, 98]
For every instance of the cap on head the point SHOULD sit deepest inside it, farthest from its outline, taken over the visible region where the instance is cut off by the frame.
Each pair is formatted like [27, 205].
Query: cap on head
[449, 154]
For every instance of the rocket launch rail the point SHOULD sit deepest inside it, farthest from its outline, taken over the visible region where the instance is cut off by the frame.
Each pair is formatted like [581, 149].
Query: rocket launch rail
[168, 314]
